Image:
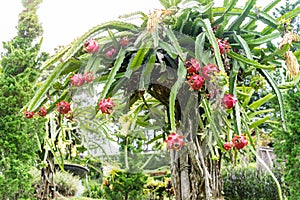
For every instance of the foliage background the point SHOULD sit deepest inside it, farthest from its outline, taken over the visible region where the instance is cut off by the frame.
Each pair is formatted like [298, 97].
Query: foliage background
[18, 135]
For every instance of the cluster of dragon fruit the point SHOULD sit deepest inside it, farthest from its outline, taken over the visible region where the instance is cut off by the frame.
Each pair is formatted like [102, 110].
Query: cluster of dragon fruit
[197, 77]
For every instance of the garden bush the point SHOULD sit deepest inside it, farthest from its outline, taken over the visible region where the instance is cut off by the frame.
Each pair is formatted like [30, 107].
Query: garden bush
[19, 135]
[125, 185]
[67, 184]
[248, 183]
[160, 188]
[286, 144]
[93, 189]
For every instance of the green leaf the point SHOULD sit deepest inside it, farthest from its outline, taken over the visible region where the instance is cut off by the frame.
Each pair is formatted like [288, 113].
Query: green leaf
[174, 42]
[113, 38]
[259, 122]
[209, 11]
[169, 3]
[232, 78]
[264, 39]
[277, 52]
[248, 98]
[181, 20]
[213, 41]
[228, 8]
[238, 21]
[165, 3]
[199, 46]
[208, 114]
[267, 30]
[273, 84]
[263, 17]
[155, 37]
[253, 114]
[271, 5]
[203, 9]
[197, 26]
[181, 73]
[140, 56]
[294, 13]
[160, 136]
[265, 10]
[133, 15]
[288, 85]
[146, 73]
[297, 54]
[176, 2]
[55, 58]
[244, 44]
[232, 90]
[261, 101]
[168, 48]
[73, 66]
[40, 94]
[251, 62]
[112, 74]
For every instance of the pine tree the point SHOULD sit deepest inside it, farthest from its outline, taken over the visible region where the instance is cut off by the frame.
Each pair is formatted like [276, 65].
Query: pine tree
[18, 142]
[286, 143]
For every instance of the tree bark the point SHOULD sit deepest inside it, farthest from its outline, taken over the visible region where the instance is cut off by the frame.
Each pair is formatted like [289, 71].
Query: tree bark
[195, 175]
[47, 188]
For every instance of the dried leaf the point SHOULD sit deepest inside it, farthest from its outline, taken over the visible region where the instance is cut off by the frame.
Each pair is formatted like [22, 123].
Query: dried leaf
[155, 17]
[288, 38]
[292, 63]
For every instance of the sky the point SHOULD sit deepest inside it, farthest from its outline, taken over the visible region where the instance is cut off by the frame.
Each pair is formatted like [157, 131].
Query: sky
[64, 20]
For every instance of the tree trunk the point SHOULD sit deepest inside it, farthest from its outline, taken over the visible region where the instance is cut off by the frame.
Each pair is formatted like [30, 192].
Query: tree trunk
[47, 188]
[195, 175]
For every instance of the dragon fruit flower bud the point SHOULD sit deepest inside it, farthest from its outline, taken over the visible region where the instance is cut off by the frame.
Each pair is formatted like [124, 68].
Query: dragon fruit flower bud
[229, 101]
[63, 107]
[111, 53]
[239, 141]
[124, 41]
[77, 80]
[175, 141]
[192, 66]
[227, 145]
[106, 106]
[42, 112]
[91, 46]
[28, 114]
[88, 77]
[196, 82]
[209, 70]
[223, 46]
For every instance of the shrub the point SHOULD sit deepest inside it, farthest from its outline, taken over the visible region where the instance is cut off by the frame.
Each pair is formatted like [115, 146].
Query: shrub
[18, 135]
[286, 144]
[66, 183]
[124, 185]
[93, 189]
[248, 183]
[160, 188]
